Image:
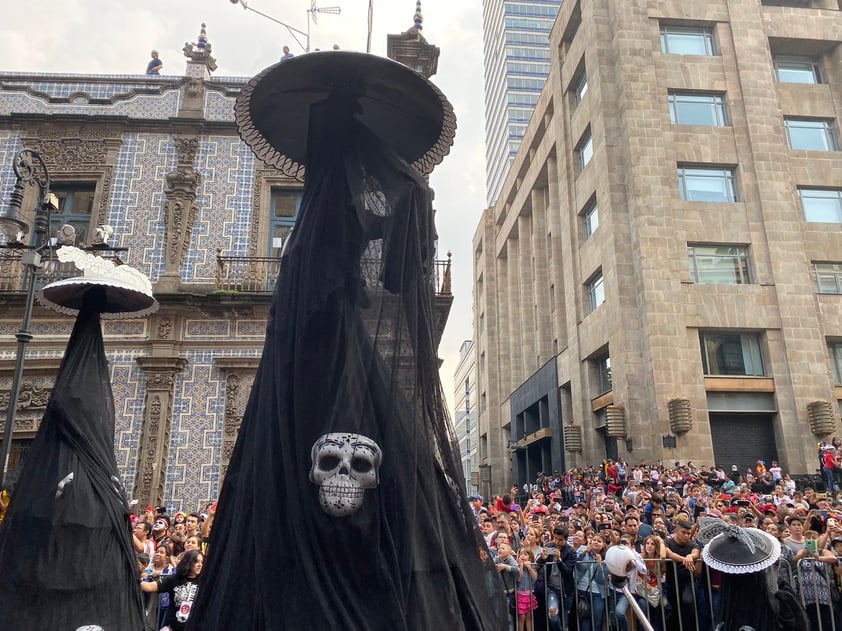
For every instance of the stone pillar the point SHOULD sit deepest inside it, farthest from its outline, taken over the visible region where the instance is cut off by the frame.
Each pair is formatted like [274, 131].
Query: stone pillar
[558, 320]
[200, 65]
[541, 281]
[513, 299]
[239, 378]
[528, 315]
[154, 447]
[180, 213]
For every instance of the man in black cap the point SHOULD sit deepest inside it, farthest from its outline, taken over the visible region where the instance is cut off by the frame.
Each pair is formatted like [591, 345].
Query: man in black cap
[477, 506]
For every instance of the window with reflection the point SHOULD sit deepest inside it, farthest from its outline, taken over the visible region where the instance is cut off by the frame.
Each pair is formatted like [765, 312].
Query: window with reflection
[797, 69]
[821, 205]
[284, 207]
[75, 207]
[736, 354]
[719, 264]
[828, 277]
[697, 109]
[687, 40]
[707, 184]
[810, 134]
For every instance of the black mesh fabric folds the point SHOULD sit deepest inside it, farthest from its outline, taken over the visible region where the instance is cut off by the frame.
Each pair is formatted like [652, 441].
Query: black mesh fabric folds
[66, 557]
[350, 350]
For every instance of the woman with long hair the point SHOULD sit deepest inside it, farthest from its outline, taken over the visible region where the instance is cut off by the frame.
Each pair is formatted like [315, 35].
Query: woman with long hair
[181, 587]
[591, 575]
[651, 584]
[162, 566]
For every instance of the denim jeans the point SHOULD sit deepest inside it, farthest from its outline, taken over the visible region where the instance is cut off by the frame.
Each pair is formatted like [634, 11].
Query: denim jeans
[828, 478]
[558, 620]
[593, 622]
[618, 604]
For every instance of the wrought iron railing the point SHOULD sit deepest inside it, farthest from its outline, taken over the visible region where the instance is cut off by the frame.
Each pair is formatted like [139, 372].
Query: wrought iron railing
[258, 274]
[248, 274]
[13, 272]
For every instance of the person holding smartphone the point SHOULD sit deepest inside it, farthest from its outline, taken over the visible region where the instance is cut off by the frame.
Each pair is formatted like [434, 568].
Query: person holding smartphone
[811, 570]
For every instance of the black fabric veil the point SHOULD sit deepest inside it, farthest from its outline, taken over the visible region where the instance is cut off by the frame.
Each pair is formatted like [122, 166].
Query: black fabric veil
[66, 556]
[344, 504]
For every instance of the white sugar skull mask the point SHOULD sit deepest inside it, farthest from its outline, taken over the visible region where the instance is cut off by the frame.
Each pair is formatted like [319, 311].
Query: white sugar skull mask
[344, 466]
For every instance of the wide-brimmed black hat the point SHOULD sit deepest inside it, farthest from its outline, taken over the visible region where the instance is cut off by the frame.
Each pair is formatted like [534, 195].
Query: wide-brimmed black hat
[735, 550]
[400, 106]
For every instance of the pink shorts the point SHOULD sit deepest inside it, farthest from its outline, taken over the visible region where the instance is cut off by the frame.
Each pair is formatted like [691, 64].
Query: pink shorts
[526, 602]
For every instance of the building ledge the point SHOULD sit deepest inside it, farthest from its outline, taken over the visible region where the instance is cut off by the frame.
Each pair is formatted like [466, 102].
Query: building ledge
[534, 437]
[602, 401]
[739, 384]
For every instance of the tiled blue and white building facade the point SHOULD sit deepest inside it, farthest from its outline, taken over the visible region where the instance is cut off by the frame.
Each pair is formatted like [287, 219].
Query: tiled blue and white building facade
[171, 176]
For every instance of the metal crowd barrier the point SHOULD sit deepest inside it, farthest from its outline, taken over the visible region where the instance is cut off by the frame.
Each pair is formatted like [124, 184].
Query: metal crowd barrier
[684, 606]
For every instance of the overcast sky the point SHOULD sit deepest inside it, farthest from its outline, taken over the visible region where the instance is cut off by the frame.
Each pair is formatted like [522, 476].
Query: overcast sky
[115, 37]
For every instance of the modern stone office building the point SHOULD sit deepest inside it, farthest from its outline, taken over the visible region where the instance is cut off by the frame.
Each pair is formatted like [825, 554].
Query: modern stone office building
[661, 275]
[465, 414]
[159, 160]
[516, 60]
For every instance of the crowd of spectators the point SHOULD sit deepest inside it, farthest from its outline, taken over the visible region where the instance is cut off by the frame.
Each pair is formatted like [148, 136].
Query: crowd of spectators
[170, 553]
[548, 540]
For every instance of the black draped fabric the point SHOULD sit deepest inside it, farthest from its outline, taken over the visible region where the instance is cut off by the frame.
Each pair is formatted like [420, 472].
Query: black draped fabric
[350, 350]
[66, 556]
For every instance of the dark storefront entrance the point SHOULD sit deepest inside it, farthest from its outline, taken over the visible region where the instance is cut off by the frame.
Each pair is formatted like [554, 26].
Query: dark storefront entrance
[742, 439]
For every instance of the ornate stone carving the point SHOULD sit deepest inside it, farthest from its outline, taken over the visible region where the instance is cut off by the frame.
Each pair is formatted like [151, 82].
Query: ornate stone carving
[232, 389]
[159, 381]
[195, 89]
[67, 151]
[153, 454]
[239, 377]
[26, 424]
[180, 210]
[32, 397]
[72, 154]
[186, 147]
[105, 195]
[164, 329]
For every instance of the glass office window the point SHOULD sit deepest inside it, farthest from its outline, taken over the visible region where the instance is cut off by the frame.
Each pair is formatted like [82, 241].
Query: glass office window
[687, 40]
[811, 134]
[735, 354]
[797, 69]
[697, 109]
[821, 205]
[699, 184]
[719, 264]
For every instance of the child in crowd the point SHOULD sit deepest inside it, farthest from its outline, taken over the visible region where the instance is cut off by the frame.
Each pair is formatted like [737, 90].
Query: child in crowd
[526, 601]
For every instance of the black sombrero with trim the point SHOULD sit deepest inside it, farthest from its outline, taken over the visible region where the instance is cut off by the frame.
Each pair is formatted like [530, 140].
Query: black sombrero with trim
[401, 107]
[735, 550]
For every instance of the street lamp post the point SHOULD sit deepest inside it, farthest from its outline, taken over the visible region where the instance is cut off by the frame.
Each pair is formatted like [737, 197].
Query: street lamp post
[30, 170]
